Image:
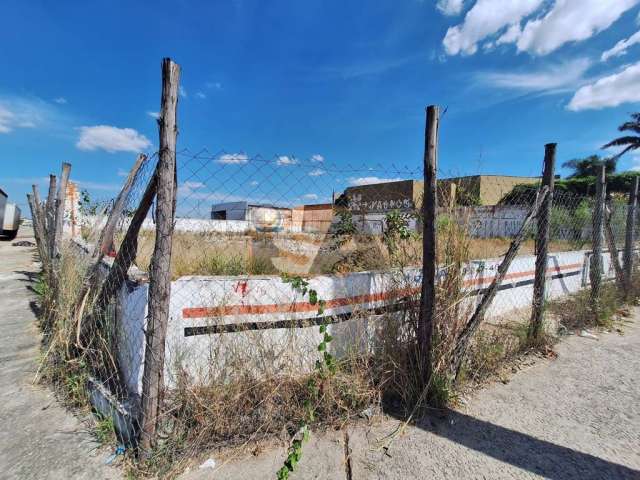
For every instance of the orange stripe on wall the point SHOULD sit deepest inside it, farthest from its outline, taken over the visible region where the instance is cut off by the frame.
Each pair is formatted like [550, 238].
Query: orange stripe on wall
[225, 310]
[201, 312]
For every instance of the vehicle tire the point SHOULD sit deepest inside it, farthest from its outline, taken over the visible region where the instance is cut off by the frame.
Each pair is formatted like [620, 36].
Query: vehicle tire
[10, 234]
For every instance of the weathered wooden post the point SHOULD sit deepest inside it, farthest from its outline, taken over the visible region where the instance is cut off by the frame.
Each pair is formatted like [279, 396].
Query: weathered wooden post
[51, 213]
[129, 247]
[595, 268]
[611, 245]
[463, 340]
[429, 239]
[35, 221]
[159, 271]
[629, 239]
[58, 228]
[542, 243]
[105, 241]
[38, 219]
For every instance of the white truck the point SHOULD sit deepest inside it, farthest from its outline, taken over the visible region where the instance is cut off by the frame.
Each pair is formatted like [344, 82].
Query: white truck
[9, 217]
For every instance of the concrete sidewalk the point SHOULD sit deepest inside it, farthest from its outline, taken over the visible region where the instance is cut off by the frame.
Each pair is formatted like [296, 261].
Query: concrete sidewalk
[577, 417]
[39, 439]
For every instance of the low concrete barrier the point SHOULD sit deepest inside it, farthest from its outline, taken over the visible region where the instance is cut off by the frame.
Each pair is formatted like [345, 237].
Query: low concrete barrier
[215, 321]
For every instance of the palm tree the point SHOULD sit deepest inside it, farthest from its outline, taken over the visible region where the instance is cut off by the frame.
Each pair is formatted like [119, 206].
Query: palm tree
[629, 142]
[590, 166]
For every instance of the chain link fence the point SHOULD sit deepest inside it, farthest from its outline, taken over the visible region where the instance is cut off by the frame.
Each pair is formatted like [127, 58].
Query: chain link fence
[259, 294]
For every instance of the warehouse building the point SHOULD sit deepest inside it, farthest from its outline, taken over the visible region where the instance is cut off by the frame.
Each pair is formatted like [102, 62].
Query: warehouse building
[315, 218]
[406, 195]
[261, 217]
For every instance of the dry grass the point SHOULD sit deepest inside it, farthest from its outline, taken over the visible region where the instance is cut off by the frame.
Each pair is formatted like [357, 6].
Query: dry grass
[575, 312]
[272, 254]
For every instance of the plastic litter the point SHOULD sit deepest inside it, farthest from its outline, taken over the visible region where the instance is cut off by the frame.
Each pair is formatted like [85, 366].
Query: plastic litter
[210, 463]
[586, 334]
[120, 449]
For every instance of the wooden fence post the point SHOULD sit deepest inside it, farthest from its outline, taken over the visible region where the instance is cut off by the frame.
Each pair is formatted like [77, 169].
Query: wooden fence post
[38, 219]
[51, 214]
[34, 220]
[58, 227]
[629, 240]
[129, 247]
[429, 239]
[595, 268]
[611, 245]
[104, 243]
[160, 268]
[462, 342]
[542, 243]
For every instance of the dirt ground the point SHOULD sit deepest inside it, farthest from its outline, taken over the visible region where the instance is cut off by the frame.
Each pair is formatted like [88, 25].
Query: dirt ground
[39, 439]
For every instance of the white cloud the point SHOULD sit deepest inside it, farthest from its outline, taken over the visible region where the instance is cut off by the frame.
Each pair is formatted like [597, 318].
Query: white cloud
[111, 139]
[254, 183]
[609, 91]
[201, 95]
[450, 7]
[310, 196]
[552, 78]
[17, 116]
[60, 100]
[233, 159]
[216, 85]
[6, 120]
[155, 115]
[621, 47]
[371, 180]
[284, 160]
[317, 158]
[316, 173]
[486, 18]
[182, 91]
[122, 172]
[570, 21]
[189, 189]
[193, 185]
[510, 36]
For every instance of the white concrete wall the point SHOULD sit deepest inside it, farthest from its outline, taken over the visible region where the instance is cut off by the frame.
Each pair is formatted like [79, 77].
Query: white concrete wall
[198, 225]
[243, 301]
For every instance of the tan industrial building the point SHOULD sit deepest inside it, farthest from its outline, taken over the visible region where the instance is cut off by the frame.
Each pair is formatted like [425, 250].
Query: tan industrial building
[405, 195]
[481, 189]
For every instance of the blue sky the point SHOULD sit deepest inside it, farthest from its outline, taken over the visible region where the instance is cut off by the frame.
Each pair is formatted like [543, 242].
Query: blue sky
[344, 81]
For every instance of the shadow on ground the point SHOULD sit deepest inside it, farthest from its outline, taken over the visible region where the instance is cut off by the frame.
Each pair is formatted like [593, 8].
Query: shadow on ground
[523, 451]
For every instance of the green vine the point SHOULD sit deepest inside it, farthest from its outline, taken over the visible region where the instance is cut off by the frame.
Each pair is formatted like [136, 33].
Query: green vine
[324, 367]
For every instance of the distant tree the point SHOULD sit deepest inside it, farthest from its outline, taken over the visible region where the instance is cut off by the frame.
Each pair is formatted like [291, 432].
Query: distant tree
[618, 183]
[629, 142]
[589, 166]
